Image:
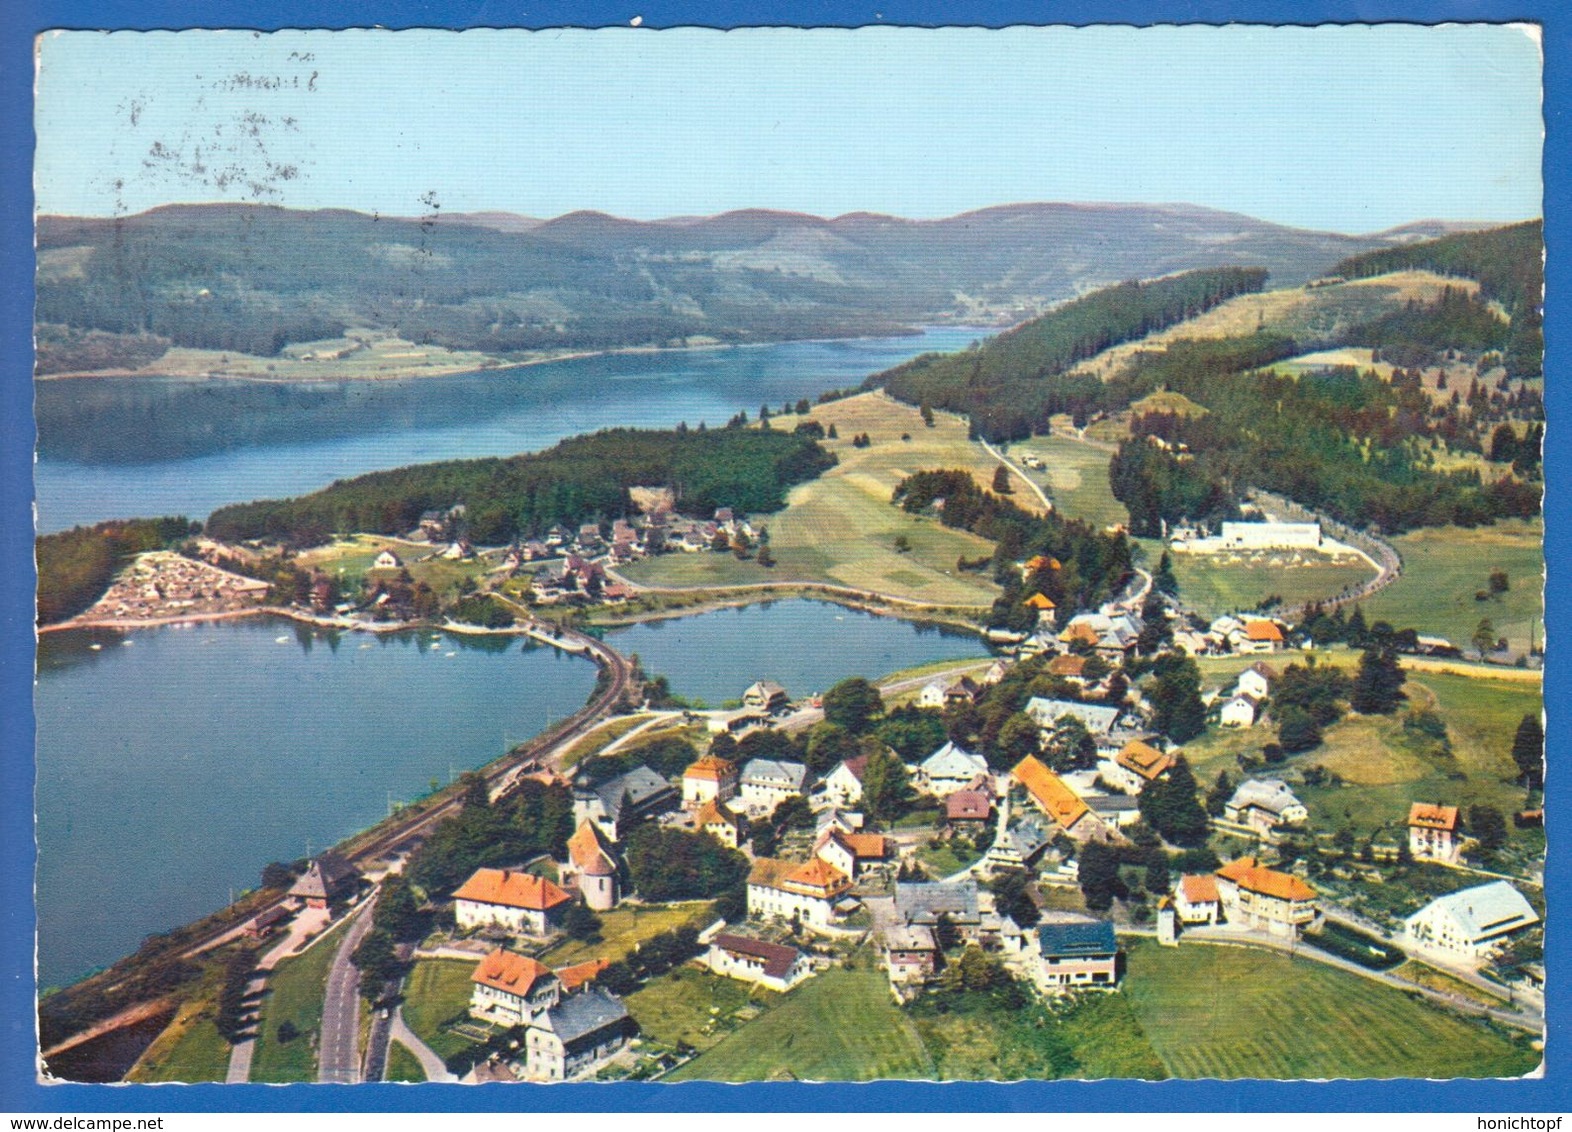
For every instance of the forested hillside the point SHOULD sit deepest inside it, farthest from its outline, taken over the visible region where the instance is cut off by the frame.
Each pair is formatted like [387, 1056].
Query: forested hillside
[1012, 384]
[1508, 264]
[579, 480]
[252, 279]
[76, 566]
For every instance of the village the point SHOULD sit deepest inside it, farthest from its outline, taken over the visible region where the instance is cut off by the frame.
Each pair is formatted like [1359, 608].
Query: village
[770, 843]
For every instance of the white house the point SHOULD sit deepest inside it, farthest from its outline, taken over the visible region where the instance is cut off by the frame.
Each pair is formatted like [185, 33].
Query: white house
[1196, 899]
[1270, 536]
[1256, 681]
[814, 893]
[505, 898]
[932, 694]
[710, 779]
[771, 965]
[387, 560]
[1471, 923]
[1098, 719]
[949, 769]
[766, 783]
[766, 695]
[1238, 711]
[843, 785]
[1263, 804]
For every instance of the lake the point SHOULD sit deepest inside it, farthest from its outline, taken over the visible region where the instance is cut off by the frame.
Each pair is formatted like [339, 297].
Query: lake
[146, 446]
[172, 768]
[804, 646]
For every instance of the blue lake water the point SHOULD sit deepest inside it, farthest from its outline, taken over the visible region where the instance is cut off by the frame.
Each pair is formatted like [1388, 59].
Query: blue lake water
[125, 447]
[170, 770]
[804, 646]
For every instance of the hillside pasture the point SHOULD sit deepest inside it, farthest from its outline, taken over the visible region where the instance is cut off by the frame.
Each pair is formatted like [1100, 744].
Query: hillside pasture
[1445, 568]
[842, 528]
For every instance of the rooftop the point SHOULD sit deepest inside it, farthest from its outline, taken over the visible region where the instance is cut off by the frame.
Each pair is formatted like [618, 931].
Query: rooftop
[511, 889]
[1083, 939]
[778, 959]
[1250, 876]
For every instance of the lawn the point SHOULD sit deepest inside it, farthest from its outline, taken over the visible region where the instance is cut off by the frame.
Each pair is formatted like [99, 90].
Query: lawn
[1232, 1012]
[842, 528]
[693, 1007]
[625, 927]
[838, 1026]
[190, 1049]
[1444, 567]
[1428, 976]
[350, 559]
[949, 858]
[1100, 1036]
[437, 992]
[402, 1065]
[295, 990]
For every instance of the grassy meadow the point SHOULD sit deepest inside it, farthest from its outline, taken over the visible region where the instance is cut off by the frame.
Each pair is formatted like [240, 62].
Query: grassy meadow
[623, 928]
[437, 992]
[295, 990]
[190, 1048]
[842, 528]
[1445, 567]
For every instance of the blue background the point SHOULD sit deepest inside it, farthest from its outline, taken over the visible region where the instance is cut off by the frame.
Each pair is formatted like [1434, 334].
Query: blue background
[19, 1093]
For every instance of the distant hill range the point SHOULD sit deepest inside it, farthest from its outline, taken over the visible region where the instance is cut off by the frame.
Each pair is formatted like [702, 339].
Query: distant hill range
[253, 279]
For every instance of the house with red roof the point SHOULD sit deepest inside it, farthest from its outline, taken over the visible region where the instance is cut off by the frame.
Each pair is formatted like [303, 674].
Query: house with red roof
[851, 853]
[814, 893]
[711, 779]
[1433, 833]
[1255, 896]
[1196, 899]
[507, 898]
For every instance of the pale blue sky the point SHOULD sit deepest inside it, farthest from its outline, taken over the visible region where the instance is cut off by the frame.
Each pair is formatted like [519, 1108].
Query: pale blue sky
[1352, 129]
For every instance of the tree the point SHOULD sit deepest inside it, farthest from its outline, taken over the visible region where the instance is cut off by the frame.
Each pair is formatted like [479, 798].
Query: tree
[1001, 481]
[1217, 797]
[397, 911]
[903, 545]
[1099, 874]
[765, 557]
[580, 923]
[1171, 806]
[1488, 827]
[674, 864]
[852, 703]
[1296, 729]
[276, 874]
[1163, 580]
[1019, 738]
[377, 960]
[886, 785]
[1378, 686]
[1484, 640]
[1528, 751]
[1499, 582]
[1176, 698]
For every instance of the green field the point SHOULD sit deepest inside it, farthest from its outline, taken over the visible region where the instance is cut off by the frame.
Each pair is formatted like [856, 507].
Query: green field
[402, 1065]
[841, 528]
[1076, 478]
[350, 559]
[693, 1007]
[1100, 1036]
[1233, 1012]
[295, 990]
[437, 992]
[1444, 567]
[601, 735]
[190, 1049]
[949, 858]
[624, 928]
[838, 1026]
[1213, 585]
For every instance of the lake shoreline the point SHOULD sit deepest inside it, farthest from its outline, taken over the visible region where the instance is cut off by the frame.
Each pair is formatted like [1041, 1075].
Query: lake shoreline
[487, 365]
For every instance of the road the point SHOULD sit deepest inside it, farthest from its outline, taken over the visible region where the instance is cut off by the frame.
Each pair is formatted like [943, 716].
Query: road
[305, 923]
[338, 1048]
[1020, 475]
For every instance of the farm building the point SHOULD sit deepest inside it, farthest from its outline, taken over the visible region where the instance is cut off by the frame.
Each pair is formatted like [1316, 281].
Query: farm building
[1472, 922]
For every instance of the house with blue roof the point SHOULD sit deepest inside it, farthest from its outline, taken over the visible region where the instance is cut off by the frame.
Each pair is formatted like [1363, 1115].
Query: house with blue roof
[1075, 953]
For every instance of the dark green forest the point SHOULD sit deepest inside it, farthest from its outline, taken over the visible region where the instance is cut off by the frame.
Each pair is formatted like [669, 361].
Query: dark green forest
[578, 480]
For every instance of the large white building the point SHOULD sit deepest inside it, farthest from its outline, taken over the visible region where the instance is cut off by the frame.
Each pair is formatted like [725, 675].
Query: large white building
[506, 898]
[1253, 536]
[813, 893]
[766, 783]
[949, 769]
[570, 1026]
[1473, 922]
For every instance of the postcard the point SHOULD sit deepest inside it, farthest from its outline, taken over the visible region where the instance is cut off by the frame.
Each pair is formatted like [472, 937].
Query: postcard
[790, 554]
